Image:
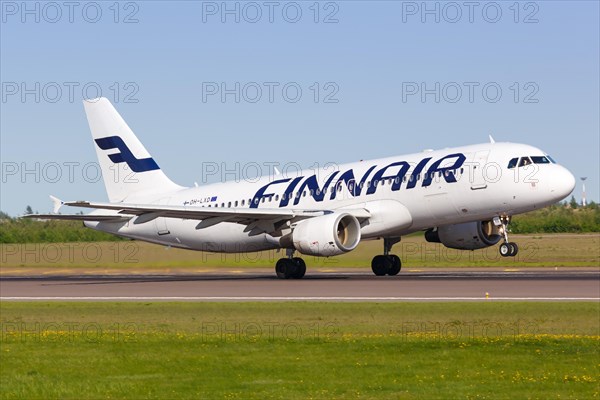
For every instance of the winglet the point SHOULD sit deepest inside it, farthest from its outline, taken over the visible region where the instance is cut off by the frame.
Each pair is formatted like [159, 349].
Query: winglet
[57, 204]
[492, 141]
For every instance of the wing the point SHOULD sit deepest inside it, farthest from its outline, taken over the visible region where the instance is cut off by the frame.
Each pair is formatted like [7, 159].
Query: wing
[257, 221]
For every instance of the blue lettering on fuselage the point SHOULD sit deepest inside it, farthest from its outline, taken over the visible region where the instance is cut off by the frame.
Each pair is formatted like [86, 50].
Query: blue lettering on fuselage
[446, 172]
[353, 187]
[317, 192]
[404, 166]
[261, 192]
[412, 181]
[347, 179]
[287, 195]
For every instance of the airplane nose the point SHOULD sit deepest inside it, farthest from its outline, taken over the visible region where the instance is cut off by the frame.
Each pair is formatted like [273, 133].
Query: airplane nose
[563, 183]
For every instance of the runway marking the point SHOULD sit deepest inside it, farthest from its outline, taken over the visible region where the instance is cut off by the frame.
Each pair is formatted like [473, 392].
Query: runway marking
[291, 298]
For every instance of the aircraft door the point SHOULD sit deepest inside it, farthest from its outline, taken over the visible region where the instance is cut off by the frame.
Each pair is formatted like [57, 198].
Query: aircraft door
[477, 170]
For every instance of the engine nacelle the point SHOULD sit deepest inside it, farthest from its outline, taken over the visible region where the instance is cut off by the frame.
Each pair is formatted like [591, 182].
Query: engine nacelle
[327, 235]
[467, 236]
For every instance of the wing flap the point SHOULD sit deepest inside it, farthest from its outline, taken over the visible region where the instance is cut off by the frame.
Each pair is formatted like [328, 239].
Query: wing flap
[200, 213]
[80, 217]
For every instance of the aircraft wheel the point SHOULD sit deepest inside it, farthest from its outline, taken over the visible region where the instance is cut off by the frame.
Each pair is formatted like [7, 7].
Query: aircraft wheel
[505, 249]
[285, 268]
[514, 249]
[396, 265]
[294, 268]
[381, 265]
[300, 269]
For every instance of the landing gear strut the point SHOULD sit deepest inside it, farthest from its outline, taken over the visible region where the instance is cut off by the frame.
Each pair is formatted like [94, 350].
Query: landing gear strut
[387, 264]
[290, 267]
[507, 249]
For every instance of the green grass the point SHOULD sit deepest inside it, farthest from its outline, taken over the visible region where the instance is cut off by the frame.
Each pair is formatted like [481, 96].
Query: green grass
[300, 350]
[557, 250]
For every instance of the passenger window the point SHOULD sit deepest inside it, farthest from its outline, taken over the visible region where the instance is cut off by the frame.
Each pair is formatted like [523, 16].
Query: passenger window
[540, 160]
[243, 201]
[524, 162]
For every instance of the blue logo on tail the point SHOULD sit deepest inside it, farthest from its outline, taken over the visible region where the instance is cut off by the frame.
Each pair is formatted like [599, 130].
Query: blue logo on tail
[136, 165]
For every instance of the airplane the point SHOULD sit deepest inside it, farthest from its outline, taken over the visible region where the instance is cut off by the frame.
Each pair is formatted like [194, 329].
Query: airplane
[462, 197]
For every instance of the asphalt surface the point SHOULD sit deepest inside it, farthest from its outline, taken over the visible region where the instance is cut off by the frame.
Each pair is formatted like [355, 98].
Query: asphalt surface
[460, 285]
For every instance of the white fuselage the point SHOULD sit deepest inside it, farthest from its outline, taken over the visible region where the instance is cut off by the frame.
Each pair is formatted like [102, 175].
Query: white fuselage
[403, 194]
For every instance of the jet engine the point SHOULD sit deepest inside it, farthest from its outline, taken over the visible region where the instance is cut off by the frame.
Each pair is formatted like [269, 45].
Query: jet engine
[327, 235]
[467, 236]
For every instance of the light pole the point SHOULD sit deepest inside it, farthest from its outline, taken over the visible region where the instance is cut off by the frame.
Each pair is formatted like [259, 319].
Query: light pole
[583, 200]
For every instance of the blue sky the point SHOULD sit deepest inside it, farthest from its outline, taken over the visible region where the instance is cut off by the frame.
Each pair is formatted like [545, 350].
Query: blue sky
[366, 60]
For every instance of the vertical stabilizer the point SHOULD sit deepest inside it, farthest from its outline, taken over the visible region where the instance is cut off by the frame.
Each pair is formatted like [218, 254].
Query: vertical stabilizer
[127, 168]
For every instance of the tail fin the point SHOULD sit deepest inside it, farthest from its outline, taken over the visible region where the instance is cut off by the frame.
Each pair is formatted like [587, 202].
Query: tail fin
[127, 167]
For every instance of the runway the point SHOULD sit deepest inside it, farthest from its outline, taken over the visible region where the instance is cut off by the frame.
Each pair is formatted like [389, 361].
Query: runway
[460, 285]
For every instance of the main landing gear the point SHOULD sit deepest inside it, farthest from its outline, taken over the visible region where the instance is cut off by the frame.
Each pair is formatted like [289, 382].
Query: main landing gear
[387, 264]
[507, 249]
[290, 267]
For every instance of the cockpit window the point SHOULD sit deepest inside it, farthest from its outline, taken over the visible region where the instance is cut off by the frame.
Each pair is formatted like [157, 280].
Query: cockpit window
[540, 160]
[524, 161]
[513, 163]
[551, 159]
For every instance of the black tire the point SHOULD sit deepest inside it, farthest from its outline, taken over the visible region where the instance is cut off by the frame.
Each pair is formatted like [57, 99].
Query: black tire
[396, 265]
[514, 249]
[285, 268]
[505, 249]
[381, 265]
[300, 269]
[281, 268]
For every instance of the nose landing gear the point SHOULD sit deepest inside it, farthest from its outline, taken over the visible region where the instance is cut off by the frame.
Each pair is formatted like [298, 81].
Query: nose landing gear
[507, 249]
